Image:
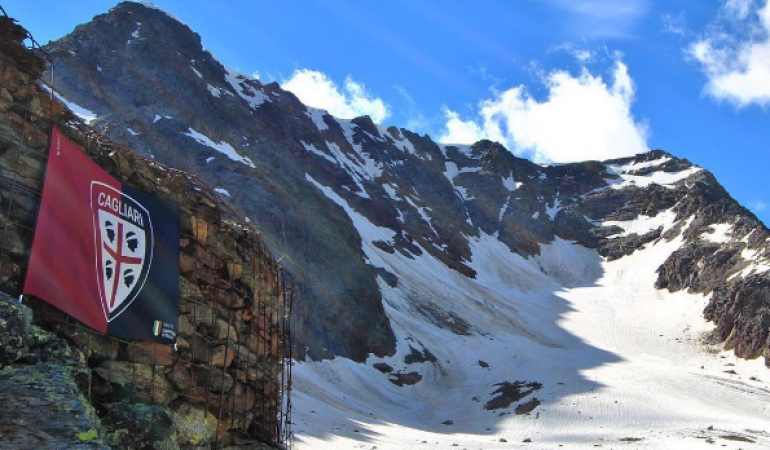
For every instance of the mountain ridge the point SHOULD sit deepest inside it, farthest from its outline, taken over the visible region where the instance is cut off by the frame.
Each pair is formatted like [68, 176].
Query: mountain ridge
[295, 171]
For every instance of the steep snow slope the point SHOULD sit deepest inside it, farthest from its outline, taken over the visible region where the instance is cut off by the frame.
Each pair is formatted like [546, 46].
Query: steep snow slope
[621, 363]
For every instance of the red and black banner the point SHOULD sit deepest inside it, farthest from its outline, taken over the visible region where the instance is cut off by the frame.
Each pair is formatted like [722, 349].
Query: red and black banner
[103, 252]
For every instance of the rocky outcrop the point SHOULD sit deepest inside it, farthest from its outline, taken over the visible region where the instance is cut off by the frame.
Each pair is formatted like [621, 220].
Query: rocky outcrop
[741, 312]
[42, 386]
[726, 253]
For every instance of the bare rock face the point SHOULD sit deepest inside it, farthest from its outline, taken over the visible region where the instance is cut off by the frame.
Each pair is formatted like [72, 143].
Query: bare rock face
[15, 331]
[741, 312]
[42, 383]
[303, 176]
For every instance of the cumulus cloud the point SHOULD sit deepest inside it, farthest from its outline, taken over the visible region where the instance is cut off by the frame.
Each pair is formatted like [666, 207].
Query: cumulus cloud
[351, 100]
[735, 53]
[583, 118]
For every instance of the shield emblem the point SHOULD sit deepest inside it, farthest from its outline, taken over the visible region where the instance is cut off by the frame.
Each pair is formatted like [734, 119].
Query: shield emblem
[123, 238]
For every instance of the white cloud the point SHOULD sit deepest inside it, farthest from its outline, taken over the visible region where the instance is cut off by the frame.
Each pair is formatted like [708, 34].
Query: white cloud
[458, 131]
[739, 8]
[584, 55]
[316, 89]
[759, 205]
[737, 62]
[583, 118]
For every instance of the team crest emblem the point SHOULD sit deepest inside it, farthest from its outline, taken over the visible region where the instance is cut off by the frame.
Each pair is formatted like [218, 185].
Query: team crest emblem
[124, 241]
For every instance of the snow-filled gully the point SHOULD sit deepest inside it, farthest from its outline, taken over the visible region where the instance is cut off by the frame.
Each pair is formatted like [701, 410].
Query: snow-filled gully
[622, 364]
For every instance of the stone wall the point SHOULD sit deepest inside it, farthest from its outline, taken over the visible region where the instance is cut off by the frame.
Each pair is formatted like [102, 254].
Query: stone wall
[225, 379]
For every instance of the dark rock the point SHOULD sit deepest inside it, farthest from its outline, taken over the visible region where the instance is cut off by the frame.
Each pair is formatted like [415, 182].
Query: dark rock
[195, 426]
[383, 367]
[134, 426]
[48, 410]
[737, 438]
[528, 407]
[508, 393]
[405, 379]
[416, 356]
[15, 330]
[741, 311]
[138, 382]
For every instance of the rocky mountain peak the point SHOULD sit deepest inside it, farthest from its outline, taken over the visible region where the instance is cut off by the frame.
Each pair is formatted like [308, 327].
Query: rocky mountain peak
[333, 196]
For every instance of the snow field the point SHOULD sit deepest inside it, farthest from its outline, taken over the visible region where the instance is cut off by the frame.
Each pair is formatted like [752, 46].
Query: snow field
[622, 364]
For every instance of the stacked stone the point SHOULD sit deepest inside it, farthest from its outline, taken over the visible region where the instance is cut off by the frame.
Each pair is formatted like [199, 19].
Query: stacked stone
[225, 374]
[24, 108]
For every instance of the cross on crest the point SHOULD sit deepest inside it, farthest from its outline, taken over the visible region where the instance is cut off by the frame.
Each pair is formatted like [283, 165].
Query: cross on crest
[123, 238]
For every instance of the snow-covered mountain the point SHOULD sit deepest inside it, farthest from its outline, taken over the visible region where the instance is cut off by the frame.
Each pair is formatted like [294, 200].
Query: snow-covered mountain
[472, 297]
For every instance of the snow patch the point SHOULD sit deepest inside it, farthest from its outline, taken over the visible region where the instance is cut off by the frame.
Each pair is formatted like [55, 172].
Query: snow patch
[312, 149]
[85, 115]
[643, 224]
[719, 233]
[366, 166]
[317, 116]
[222, 147]
[213, 90]
[511, 184]
[132, 132]
[391, 191]
[353, 168]
[627, 178]
[135, 34]
[401, 142]
[636, 166]
[451, 172]
[254, 97]
[504, 209]
[222, 191]
[554, 209]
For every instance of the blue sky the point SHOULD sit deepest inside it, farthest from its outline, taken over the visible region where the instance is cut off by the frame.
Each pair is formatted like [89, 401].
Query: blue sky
[554, 80]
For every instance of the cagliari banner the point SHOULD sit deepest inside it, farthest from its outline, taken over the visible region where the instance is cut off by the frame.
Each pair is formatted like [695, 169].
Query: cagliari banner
[105, 253]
